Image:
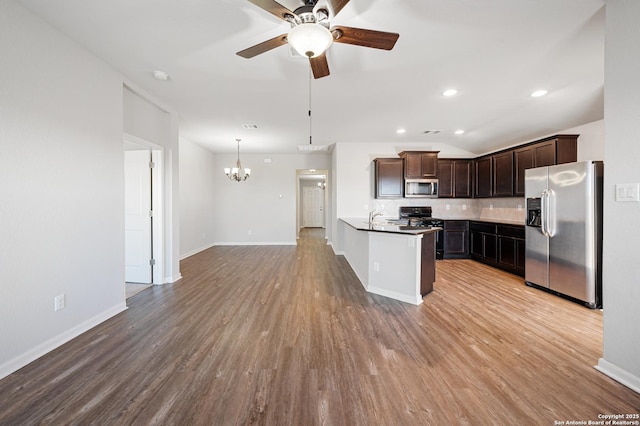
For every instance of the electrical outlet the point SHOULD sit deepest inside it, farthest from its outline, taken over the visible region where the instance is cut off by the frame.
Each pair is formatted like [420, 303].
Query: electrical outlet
[376, 267]
[490, 206]
[58, 302]
[447, 207]
[464, 207]
[249, 232]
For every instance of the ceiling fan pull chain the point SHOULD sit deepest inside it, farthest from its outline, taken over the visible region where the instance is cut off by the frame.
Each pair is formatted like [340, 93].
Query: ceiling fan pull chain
[310, 121]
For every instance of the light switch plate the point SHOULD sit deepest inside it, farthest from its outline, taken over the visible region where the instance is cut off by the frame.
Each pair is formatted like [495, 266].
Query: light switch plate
[628, 192]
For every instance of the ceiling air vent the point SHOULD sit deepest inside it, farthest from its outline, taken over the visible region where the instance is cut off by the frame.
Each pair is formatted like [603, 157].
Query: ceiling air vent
[431, 132]
[312, 148]
[249, 126]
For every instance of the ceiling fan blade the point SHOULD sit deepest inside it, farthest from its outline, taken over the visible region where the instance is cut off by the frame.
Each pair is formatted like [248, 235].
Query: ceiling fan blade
[265, 46]
[366, 38]
[319, 66]
[334, 6]
[273, 7]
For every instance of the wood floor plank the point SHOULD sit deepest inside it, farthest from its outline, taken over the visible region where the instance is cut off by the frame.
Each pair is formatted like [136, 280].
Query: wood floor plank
[284, 335]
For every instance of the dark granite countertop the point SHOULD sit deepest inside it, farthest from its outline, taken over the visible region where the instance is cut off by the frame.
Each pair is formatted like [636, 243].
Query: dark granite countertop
[383, 225]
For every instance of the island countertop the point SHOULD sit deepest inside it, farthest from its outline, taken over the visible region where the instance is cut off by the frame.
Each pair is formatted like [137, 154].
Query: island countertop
[362, 224]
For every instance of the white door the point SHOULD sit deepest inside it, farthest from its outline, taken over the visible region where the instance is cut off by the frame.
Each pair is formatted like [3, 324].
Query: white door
[137, 222]
[312, 207]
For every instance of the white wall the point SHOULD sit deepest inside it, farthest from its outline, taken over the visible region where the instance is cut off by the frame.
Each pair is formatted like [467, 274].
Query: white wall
[621, 269]
[591, 140]
[261, 210]
[61, 186]
[198, 198]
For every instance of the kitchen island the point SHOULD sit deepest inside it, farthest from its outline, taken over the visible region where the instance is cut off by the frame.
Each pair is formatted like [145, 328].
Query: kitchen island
[390, 259]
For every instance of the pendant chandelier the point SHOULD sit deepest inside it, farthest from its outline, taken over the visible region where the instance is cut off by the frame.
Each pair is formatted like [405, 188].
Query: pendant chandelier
[237, 173]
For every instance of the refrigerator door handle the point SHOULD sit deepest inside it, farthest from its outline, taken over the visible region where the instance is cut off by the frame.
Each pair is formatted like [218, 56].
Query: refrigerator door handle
[551, 217]
[543, 213]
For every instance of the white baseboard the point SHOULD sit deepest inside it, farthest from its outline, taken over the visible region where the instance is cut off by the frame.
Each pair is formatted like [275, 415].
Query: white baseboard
[393, 295]
[173, 279]
[21, 360]
[196, 251]
[335, 252]
[618, 374]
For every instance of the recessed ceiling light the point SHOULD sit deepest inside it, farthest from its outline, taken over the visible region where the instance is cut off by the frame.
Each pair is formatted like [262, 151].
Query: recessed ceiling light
[538, 93]
[459, 132]
[160, 75]
[401, 131]
[449, 92]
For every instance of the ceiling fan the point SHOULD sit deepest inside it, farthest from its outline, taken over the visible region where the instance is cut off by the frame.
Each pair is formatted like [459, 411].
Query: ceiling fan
[311, 34]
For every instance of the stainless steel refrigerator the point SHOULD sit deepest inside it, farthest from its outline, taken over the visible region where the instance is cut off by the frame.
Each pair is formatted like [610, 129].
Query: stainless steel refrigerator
[564, 230]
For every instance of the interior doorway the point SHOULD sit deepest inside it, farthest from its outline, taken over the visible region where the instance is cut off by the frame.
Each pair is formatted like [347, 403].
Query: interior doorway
[144, 207]
[311, 199]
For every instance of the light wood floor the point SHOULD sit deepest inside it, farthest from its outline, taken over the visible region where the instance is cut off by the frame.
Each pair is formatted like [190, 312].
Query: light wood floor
[287, 336]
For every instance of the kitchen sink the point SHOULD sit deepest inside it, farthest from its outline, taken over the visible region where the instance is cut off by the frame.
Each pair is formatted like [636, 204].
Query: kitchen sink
[388, 222]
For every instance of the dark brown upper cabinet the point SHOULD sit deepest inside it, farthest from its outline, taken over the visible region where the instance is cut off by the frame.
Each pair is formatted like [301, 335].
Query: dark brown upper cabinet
[503, 174]
[483, 177]
[420, 164]
[455, 178]
[389, 177]
[547, 152]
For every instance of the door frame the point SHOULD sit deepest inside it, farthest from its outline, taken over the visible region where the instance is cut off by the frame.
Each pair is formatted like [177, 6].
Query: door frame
[320, 175]
[131, 142]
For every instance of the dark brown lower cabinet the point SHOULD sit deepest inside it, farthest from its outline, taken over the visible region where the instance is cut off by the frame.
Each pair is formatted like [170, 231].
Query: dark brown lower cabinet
[484, 246]
[511, 248]
[498, 245]
[456, 239]
[428, 269]
[520, 259]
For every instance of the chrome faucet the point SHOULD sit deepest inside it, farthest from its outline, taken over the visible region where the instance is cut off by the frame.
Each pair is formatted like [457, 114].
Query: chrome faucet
[373, 214]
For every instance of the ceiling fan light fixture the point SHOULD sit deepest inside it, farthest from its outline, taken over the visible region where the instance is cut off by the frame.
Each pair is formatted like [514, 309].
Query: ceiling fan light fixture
[539, 93]
[310, 39]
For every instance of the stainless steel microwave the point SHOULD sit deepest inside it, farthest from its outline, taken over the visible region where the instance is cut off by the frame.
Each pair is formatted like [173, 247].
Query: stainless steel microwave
[421, 188]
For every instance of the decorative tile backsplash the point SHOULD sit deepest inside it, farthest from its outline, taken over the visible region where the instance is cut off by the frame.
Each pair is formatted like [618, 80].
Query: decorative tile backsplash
[501, 209]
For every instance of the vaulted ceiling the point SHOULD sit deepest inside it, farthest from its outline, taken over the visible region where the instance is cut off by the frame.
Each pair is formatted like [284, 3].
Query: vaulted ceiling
[494, 52]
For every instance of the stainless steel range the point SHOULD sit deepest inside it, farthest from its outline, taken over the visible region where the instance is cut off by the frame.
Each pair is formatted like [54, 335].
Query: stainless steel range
[421, 217]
